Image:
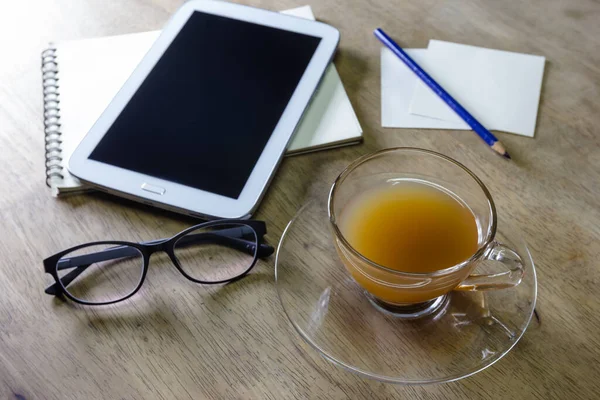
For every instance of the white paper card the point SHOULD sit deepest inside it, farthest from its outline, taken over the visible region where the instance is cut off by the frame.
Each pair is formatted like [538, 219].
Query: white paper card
[398, 83]
[501, 89]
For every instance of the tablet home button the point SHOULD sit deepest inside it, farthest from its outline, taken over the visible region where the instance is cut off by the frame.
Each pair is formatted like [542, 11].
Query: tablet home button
[153, 189]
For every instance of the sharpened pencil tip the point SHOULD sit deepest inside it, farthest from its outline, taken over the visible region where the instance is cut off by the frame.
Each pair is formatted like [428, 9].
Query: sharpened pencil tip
[500, 150]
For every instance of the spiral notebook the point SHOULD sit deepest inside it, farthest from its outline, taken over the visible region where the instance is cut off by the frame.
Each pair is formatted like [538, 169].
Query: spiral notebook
[81, 77]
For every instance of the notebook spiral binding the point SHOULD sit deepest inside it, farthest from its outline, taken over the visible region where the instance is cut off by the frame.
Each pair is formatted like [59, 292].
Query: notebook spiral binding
[51, 116]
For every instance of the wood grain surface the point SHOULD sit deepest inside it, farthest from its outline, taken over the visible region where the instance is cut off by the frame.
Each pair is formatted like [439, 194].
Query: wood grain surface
[176, 339]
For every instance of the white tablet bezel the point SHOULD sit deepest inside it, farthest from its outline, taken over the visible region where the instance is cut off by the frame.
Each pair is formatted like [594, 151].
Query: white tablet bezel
[184, 198]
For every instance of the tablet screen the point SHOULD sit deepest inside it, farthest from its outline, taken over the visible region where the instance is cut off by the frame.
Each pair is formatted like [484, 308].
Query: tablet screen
[205, 112]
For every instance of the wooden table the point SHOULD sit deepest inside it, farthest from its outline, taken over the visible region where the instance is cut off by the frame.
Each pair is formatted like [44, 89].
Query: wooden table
[180, 340]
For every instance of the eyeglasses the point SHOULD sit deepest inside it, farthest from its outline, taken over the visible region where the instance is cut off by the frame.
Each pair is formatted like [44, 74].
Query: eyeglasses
[107, 272]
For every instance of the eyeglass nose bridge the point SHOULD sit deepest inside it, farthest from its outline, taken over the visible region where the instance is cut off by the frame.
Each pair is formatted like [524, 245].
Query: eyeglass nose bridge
[163, 246]
[157, 246]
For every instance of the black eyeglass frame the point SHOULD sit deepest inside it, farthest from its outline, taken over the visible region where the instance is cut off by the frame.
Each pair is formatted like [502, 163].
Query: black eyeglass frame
[231, 237]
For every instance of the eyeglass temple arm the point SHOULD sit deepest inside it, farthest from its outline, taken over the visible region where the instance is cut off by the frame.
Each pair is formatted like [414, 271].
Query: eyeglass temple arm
[228, 237]
[247, 246]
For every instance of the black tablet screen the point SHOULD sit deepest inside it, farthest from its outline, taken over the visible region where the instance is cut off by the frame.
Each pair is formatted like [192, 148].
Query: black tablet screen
[205, 112]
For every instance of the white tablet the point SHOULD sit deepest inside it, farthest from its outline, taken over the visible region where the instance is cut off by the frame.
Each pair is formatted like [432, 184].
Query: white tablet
[204, 120]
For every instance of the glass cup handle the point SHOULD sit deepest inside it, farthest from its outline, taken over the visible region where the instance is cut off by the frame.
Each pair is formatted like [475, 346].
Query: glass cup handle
[501, 280]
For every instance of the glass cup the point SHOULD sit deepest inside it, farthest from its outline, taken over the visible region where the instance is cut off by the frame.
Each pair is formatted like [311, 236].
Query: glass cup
[410, 294]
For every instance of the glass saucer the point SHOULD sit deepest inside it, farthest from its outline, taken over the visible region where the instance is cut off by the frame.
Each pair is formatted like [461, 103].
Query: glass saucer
[332, 313]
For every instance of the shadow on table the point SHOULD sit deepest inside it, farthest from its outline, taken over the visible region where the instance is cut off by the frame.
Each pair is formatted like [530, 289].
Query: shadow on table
[160, 312]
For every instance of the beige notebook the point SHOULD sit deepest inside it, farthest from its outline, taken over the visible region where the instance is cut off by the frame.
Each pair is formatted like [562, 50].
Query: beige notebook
[81, 77]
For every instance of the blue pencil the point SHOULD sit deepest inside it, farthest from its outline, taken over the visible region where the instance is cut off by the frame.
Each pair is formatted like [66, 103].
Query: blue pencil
[483, 133]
